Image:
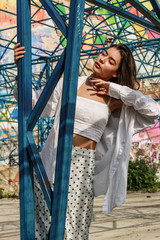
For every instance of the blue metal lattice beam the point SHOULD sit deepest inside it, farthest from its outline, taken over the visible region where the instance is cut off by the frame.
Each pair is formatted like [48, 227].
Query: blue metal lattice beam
[141, 8]
[54, 15]
[156, 7]
[121, 29]
[124, 14]
[56, 74]
[73, 48]
[67, 120]
[24, 109]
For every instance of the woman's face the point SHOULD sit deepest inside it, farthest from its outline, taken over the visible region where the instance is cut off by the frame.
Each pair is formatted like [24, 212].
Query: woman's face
[107, 64]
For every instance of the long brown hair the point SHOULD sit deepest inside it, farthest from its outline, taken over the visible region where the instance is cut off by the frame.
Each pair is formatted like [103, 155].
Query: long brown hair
[127, 68]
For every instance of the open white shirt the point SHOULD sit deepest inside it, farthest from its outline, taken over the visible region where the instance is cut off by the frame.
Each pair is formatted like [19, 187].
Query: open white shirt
[112, 152]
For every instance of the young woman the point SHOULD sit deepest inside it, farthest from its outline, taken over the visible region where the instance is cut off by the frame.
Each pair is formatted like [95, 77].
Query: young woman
[108, 112]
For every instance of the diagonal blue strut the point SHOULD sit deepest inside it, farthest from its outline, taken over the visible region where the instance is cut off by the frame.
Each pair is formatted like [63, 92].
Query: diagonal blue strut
[39, 169]
[49, 7]
[28, 154]
[141, 8]
[46, 93]
[61, 183]
[124, 14]
[156, 6]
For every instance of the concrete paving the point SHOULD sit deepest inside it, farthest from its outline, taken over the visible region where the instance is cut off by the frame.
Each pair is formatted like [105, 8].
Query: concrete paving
[137, 219]
[9, 219]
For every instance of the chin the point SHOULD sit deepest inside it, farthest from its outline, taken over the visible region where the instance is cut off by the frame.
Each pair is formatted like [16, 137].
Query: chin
[96, 72]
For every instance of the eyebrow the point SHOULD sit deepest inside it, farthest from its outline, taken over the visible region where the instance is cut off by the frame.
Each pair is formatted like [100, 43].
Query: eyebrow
[111, 57]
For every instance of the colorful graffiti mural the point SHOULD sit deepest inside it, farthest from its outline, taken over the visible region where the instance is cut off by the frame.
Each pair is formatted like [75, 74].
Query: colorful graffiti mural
[101, 28]
[147, 144]
[149, 135]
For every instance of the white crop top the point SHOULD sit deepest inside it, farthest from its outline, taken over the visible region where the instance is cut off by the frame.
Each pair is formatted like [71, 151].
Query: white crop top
[91, 118]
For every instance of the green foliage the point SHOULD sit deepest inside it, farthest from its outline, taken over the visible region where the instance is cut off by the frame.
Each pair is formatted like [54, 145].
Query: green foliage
[1, 192]
[142, 175]
[7, 195]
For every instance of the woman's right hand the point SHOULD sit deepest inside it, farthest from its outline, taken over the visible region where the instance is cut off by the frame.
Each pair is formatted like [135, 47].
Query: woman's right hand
[18, 52]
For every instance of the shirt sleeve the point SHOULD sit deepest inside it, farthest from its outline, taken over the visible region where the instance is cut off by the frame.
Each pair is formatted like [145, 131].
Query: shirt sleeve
[147, 110]
[51, 105]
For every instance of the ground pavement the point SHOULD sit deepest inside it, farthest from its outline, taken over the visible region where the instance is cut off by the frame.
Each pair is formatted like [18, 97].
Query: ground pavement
[137, 219]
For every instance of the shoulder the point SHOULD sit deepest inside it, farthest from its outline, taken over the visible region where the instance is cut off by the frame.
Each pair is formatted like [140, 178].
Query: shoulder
[81, 80]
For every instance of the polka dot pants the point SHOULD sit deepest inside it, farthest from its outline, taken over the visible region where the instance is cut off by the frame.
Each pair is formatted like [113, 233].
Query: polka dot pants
[80, 199]
[42, 214]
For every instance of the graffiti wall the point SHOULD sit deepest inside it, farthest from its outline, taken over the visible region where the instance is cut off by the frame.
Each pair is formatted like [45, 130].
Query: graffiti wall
[147, 144]
[45, 37]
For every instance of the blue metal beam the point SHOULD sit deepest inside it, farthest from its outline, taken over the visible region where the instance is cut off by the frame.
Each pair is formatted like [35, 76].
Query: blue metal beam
[146, 42]
[98, 30]
[156, 7]
[47, 91]
[125, 14]
[67, 120]
[49, 7]
[141, 8]
[149, 76]
[24, 109]
[39, 169]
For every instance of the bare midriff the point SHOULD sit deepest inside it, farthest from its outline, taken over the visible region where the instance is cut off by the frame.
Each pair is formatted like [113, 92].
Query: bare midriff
[83, 142]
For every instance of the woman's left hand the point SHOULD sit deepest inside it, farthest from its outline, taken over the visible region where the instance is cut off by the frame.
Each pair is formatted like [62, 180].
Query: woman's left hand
[102, 85]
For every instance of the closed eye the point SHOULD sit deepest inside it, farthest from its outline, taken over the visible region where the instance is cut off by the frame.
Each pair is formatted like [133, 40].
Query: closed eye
[112, 62]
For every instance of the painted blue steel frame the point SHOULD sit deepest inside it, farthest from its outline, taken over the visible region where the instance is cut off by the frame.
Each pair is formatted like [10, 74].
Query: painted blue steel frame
[27, 119]
[124, 14]
[27, 149]
[140, 7]
[156, 7]
[24, 109]
[67, 119]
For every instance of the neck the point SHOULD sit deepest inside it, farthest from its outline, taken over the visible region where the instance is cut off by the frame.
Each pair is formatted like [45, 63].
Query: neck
[95, 76]
[91, 83]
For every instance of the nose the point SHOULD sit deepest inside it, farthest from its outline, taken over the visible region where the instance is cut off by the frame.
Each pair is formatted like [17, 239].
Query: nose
[102, 58]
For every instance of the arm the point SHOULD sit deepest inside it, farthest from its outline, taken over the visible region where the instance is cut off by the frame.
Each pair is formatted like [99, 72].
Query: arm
[147, 110]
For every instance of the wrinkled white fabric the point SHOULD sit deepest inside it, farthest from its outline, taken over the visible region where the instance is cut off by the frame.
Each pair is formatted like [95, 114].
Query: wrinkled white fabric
[112, 152]
[91, 118]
